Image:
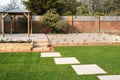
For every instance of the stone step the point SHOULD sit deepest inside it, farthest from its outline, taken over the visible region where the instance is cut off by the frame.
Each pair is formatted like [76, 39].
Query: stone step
[41, 41]
[41, 49]
[40, 44]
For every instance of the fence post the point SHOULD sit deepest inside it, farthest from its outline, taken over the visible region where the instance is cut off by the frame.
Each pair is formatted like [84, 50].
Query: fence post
[70, 23]
[97, 23]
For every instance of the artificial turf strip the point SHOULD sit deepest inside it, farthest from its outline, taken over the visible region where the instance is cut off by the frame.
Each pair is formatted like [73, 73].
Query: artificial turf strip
[30, 66]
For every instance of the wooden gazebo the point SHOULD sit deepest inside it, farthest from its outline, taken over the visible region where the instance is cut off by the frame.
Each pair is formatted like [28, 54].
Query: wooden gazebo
[17, 11]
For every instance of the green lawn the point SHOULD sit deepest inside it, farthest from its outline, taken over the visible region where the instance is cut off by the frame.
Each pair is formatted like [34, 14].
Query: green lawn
[29, 66]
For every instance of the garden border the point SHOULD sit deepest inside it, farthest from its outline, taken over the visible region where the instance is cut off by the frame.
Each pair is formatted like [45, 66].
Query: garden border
[16, 47]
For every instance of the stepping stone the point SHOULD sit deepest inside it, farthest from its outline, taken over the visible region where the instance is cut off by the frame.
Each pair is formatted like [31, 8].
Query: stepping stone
[88, 69]
[51, 54]
[109, 77]
[66, 60]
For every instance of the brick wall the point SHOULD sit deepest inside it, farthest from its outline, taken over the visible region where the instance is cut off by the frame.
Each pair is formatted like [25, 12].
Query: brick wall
[96, 24]
[76, 24]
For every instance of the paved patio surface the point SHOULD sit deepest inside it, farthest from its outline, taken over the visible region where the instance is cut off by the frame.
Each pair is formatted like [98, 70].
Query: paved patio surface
[109, 77]
[88, 69]
[66, 60]
[14, 37]
[51, 54]
[66, 38]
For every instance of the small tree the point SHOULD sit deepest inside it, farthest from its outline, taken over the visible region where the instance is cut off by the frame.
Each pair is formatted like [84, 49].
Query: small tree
[40, 7]
[62, 26]
[52, 20]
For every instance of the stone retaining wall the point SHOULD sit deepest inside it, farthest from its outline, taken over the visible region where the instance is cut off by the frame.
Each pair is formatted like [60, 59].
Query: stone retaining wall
[87, 44]
[15, 47]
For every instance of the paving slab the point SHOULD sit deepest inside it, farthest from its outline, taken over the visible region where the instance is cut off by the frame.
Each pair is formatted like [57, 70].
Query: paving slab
[66, 60]
[51, 54]
[15, 37]
[88, 69]
[109, 77]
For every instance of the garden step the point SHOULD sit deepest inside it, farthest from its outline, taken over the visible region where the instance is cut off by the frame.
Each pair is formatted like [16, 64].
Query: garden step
[41, 41]
[41, 49]
[40, 44]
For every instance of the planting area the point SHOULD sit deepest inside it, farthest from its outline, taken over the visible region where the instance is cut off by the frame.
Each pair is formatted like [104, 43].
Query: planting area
[22, 43]
[30, 66]
[81, 38]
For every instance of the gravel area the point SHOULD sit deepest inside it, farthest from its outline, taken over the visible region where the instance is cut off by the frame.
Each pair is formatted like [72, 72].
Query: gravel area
[83, 38]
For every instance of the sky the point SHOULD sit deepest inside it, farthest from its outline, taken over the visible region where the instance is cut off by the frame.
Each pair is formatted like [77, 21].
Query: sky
[5, 2]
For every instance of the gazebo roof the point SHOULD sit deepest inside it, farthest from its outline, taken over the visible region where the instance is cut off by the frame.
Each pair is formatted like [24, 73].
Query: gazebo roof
[17, 10]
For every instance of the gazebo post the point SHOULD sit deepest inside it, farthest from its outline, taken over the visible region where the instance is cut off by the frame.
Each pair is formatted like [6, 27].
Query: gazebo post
[3, 16]
[28, 25]
[11, 24]
[28, 16]
[31, 23]
[3, 32]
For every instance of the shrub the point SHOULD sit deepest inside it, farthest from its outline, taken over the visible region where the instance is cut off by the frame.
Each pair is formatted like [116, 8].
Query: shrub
[50, 18]
[18, 41]
[98, 13]
[62, 26]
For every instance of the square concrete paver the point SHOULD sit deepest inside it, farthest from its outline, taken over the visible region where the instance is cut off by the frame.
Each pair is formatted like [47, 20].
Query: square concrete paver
[51, 54]
[66, 60]
[88, 69]
[109, 77]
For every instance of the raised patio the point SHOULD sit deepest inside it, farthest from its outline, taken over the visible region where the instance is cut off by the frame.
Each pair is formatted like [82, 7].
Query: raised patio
[44, 43]
[39, 43]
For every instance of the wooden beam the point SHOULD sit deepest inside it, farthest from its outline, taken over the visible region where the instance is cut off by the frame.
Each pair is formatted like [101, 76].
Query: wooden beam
[4, 15]
[11, 24]
[26, 15]
[31, 24]
[3, 32]
[28, 25]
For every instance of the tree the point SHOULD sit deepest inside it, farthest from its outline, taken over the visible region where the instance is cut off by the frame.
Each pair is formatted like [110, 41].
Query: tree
[90, 7]
[52, 20]
[70, 7]
[62, 26]
[40, 7]
[112, 6]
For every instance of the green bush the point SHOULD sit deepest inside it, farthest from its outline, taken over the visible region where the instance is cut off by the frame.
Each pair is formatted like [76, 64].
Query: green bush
[11, 41]
[68, 13]
[62, 25]
[50, 18]
[98, 13]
